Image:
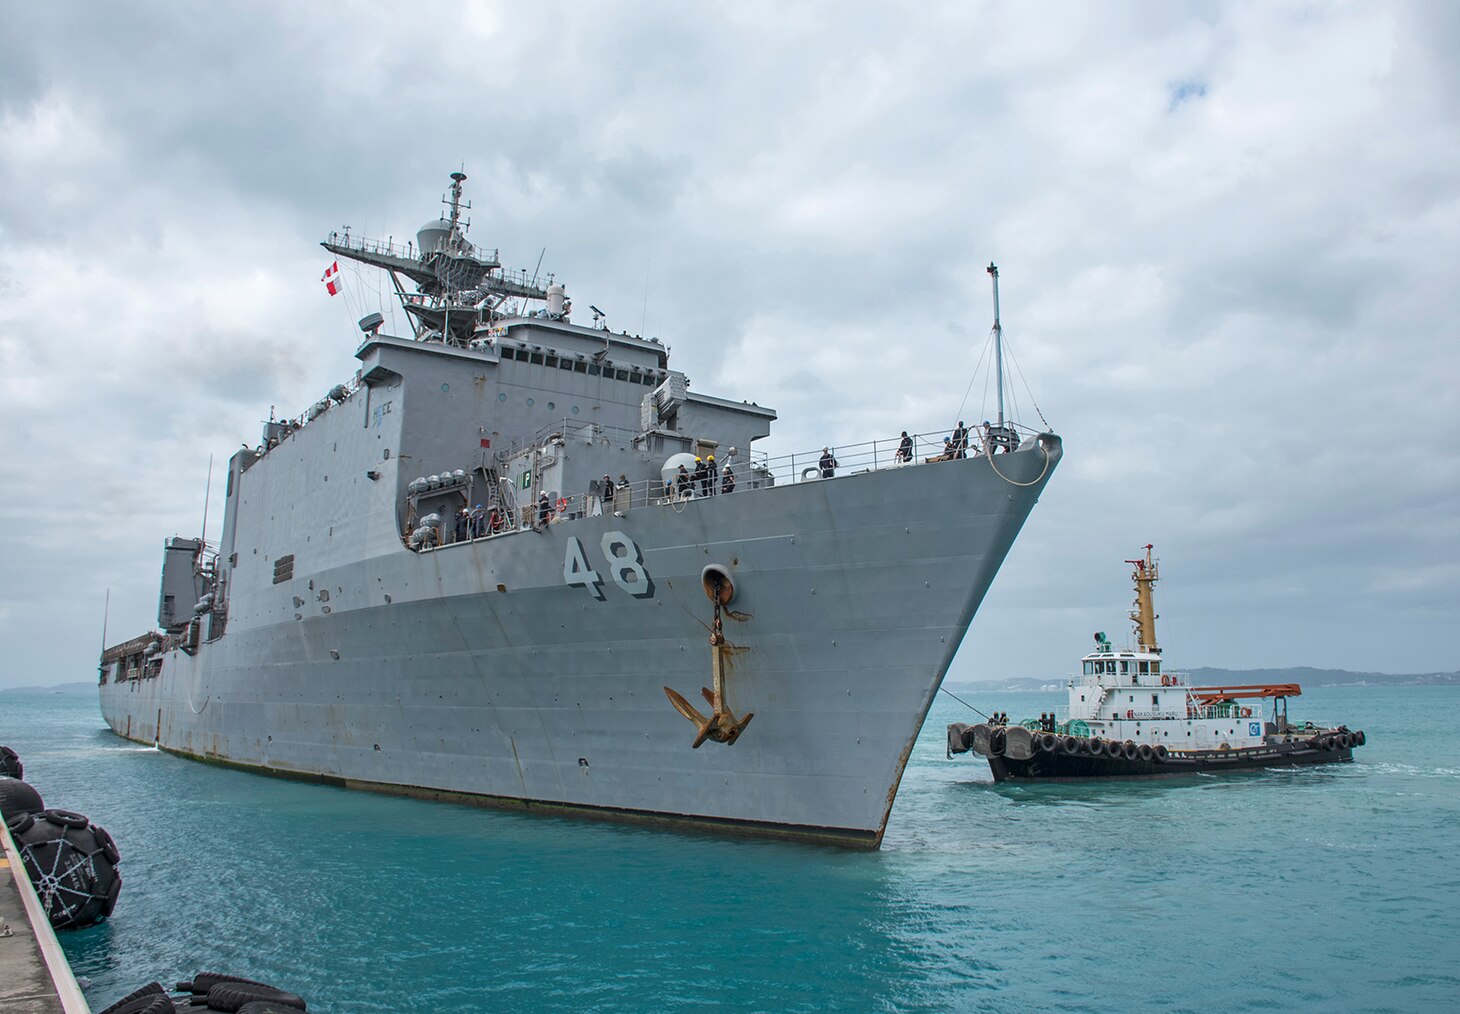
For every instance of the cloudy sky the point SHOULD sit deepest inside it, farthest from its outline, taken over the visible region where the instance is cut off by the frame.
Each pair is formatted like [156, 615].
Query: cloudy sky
[1228, 234]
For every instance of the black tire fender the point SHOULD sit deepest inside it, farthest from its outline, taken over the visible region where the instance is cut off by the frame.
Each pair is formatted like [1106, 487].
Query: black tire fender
[137, 1001]
[108, 846]
[65, 818]
[997, 738]
[202, 982]
[229, 996]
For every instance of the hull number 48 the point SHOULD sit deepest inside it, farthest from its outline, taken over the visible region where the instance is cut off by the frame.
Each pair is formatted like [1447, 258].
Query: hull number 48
[625, 566]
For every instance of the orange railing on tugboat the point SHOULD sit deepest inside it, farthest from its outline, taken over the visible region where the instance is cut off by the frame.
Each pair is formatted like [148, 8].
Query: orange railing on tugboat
[1224, 695]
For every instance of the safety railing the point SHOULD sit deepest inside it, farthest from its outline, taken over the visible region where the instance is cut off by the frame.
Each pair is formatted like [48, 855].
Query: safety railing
[873, 455]
[389, 248]
[750, 471]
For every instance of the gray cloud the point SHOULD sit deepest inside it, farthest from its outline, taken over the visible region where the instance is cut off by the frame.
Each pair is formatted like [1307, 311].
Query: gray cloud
[1228, 238]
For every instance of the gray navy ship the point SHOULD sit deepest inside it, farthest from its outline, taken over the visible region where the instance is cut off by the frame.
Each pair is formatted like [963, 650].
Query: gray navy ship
[475, 571]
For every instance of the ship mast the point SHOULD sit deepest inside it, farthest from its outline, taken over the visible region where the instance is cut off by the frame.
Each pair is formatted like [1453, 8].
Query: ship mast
[993, 270]
[1143, 610]
[456, 238]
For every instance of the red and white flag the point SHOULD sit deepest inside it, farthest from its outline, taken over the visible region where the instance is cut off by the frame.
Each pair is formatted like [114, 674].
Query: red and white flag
[331, 279]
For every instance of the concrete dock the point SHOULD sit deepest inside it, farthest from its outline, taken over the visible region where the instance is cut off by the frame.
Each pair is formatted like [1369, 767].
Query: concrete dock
[35, 977]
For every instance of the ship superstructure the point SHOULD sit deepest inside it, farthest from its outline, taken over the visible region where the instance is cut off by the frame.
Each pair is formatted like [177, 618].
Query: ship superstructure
[475, 570]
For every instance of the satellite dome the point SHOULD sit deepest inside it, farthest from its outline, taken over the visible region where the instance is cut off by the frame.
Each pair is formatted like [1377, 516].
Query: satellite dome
[434, 236]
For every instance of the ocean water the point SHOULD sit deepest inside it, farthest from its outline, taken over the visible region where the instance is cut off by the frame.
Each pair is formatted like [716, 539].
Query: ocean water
[1330, 888]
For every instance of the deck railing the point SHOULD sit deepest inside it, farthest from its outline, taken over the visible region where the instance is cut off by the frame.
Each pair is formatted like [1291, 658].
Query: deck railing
[752, 471]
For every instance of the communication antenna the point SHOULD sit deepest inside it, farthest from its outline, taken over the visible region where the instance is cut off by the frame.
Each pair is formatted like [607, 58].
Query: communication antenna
[207, 497]
[993, 270]
[105, 613]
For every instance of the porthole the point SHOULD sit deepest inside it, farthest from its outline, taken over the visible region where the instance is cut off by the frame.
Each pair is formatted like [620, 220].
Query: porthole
[530, 403]
[551, 406]
[575, 409]
[445, 387]
[502, 396]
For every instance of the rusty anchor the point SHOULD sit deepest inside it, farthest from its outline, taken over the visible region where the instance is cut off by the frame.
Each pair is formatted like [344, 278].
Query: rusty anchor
[720, 725]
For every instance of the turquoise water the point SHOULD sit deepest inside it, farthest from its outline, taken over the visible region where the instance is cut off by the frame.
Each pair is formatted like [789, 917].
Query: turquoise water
[1333, 888]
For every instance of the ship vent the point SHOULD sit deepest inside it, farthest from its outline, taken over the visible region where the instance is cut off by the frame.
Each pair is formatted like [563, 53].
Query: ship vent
[284, 569]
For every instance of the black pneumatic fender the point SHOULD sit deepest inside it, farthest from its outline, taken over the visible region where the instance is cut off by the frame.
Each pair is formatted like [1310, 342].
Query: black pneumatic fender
[1070, 745]
[1129, 750]
[1359, 738]
[1161, 752]
[70, 865]
[1145, 752]
[17, 797]
[10, 763]
[1048, 742]
[1096, 746]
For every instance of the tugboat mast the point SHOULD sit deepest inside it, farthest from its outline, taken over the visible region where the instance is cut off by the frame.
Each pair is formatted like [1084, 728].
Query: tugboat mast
[993, 270]
[1143, 610]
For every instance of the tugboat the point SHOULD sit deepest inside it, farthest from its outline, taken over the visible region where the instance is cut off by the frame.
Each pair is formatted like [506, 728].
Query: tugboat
[1127, 717]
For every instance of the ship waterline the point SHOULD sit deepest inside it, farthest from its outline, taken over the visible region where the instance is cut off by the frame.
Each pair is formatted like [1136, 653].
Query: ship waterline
[543, 694]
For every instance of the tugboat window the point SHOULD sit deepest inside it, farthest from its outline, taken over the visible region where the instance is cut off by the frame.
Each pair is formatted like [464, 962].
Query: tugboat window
[1145, 667]
[1089, 668]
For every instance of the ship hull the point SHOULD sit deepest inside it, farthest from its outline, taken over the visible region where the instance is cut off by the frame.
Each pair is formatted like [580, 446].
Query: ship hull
[1058, 766]
[496, 672]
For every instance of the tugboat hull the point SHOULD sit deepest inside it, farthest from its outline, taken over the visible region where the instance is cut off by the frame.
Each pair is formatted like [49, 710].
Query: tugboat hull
[1059, 766]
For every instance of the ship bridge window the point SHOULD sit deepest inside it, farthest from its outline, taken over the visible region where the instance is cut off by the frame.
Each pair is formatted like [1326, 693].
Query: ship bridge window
[1155, 667]
[580, 367]
[1089, 668]
[594, 369]
[551, 360]
[1125, 667]
[620, 374]
[535, 358]
[1145, 667]
[565, 364]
